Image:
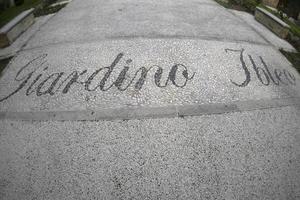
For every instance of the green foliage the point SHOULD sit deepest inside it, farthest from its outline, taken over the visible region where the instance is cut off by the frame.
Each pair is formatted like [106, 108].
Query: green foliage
[19, 2]
[223, 3]
[290, 7]
[250, 5]
[41, 8]
[46, 10]
[294, 28]
[48, 2]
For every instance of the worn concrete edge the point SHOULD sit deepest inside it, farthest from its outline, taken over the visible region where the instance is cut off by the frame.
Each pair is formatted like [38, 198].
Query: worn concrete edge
[14, 51]
[262, 35]
[276, 19]
[16, 20]
[141, 112]
[147, 37]
[8, 55]
[60, 3]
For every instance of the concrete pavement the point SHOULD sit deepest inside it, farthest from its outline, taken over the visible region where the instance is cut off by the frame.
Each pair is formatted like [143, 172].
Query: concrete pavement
[149, 100]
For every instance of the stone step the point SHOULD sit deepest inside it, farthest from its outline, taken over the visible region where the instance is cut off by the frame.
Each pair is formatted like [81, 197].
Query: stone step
[15, 27]
[272, 22]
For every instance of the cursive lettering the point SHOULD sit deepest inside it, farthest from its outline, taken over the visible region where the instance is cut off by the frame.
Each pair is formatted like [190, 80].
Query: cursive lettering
[264, 75]
[40, 84]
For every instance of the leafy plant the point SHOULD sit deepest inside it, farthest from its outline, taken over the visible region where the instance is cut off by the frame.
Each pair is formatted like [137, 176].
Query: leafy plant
[249, 5]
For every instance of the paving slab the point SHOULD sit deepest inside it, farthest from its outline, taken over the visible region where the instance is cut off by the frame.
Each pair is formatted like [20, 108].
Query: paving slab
[138, 72]
[115, 3]
[110, 20]
[149, 100]
[248, 155]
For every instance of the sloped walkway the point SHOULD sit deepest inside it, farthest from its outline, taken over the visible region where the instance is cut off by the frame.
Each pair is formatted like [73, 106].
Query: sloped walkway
[149, 100]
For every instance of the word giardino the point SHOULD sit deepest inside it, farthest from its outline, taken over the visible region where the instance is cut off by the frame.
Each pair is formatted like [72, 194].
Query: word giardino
[38, 83]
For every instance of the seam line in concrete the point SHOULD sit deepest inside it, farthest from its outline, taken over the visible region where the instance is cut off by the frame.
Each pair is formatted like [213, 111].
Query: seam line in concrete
[74, 9]
[141, 37]
[138, 112]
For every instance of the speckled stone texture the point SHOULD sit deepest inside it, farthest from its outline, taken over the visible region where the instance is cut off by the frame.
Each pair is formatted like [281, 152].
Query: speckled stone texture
[214, 66]
[238, 139]
[249, 155]
[88, 21]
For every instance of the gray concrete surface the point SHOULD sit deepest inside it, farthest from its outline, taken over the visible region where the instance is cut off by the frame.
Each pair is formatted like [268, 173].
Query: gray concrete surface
[249, 155]
[264, 32]
[149, 100]
[94, 21]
